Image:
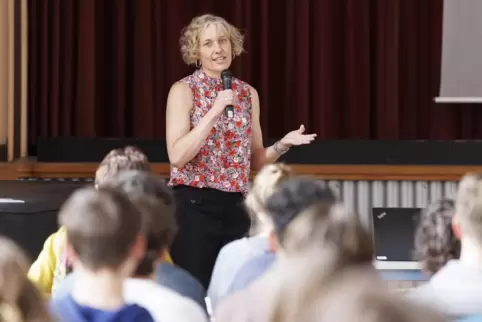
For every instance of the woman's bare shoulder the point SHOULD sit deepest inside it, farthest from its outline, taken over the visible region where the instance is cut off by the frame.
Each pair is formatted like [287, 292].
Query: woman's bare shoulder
[180, 89]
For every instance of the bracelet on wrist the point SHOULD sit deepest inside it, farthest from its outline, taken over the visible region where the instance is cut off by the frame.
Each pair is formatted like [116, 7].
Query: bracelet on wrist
[278, 149]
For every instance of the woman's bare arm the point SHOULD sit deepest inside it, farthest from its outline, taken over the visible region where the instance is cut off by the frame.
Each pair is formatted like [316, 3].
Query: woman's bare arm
[182, 143]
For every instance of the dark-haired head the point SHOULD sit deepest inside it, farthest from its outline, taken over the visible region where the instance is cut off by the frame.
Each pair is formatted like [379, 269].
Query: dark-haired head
[292, 197]
[137, 182]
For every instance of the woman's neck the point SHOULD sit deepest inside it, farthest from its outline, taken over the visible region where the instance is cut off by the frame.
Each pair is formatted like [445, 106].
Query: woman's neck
[211, 74]
[100, 290]
[471, 253]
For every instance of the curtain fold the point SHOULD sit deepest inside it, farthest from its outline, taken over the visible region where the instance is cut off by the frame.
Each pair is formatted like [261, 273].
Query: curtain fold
[353, 69]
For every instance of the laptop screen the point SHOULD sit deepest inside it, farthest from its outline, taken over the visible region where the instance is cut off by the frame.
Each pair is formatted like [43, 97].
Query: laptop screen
[394, 233]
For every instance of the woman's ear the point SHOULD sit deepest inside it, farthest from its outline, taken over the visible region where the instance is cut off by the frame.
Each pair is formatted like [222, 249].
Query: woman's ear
[164, 256]
[273, 242]
[456, 227]
[139, 248]
[70, 253]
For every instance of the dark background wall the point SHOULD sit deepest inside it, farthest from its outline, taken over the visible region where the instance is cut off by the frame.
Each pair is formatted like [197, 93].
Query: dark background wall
[354, 69]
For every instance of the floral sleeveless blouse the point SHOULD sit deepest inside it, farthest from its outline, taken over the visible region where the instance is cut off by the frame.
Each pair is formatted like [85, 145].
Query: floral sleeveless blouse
[223, 162]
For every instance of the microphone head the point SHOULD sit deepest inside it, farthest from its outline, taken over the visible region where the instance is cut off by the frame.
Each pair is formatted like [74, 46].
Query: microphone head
[226, 78]
[226, 73]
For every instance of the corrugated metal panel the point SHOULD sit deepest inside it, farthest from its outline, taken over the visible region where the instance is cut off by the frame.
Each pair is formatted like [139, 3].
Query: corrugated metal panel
[362, 196]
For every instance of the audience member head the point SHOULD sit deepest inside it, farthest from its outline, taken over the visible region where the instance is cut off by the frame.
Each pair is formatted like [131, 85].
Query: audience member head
[154, 199]
[435, 242]
[322, 240]
[19, 298]
[140, 183]
[264, 184]
[328, 227]
[353, 294]
[208, 37]
[467, 221]
[103, 229]
[118, 160]
[290, 199]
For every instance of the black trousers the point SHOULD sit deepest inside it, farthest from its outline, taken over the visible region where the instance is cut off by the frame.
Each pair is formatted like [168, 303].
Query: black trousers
[207, 220]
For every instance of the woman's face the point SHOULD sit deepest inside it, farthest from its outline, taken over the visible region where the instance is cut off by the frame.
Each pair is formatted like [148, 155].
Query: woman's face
[215, 53]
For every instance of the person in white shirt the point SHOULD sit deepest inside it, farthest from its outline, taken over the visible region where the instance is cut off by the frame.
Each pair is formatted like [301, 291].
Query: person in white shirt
[456, 289]
[164, 304]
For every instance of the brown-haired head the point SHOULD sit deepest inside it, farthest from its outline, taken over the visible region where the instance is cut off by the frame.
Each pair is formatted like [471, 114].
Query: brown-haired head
[19, 298]
[264, 184]
[118, 160]
[155, 200]
[103, 228]
[159, 227]
[435, 242]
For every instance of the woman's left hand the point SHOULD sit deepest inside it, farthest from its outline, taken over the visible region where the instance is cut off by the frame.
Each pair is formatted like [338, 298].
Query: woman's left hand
[296, 138]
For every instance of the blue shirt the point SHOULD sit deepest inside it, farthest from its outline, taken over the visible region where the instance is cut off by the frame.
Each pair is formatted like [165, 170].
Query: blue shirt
[475, 318]
[180, 281]
[230, 261]
[251, 271]
[67, 310]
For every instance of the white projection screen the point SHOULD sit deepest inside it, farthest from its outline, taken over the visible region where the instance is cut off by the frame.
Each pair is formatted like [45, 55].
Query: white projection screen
[461, 74]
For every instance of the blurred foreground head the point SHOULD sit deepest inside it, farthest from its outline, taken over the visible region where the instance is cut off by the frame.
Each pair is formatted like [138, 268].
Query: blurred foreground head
[19, 298]
[353, 294]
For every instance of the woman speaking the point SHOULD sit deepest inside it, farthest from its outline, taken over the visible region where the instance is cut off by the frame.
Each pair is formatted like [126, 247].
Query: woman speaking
[211, 154]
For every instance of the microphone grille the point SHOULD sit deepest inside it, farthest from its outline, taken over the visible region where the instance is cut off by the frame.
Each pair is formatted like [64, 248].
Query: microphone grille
[226, 73]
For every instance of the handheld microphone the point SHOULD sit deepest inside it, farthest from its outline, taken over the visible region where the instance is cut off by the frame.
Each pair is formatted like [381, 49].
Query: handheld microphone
[227, 79]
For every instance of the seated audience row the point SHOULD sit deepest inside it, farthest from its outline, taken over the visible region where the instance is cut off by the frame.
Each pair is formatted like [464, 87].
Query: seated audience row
[308, 257]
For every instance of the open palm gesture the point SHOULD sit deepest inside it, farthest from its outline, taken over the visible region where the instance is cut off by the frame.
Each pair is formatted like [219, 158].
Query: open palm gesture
[297, 137]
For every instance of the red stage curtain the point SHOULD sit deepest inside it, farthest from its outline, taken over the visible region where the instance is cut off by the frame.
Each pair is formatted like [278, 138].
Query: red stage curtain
[352, 69]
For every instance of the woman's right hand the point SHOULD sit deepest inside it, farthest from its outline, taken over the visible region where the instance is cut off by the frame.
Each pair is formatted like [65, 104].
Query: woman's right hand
[224, 98]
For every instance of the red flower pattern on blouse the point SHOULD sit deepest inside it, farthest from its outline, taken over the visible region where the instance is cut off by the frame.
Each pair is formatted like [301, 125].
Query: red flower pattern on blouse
[223, 162]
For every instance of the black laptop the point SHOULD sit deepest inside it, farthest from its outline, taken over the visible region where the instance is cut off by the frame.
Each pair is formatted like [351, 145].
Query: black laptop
[394, 233]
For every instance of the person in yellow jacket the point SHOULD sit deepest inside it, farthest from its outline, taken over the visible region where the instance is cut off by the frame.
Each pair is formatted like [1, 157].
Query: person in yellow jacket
[51, 266]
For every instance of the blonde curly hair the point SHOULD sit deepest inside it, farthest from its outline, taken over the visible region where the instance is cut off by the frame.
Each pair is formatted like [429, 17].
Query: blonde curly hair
[191, 35]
